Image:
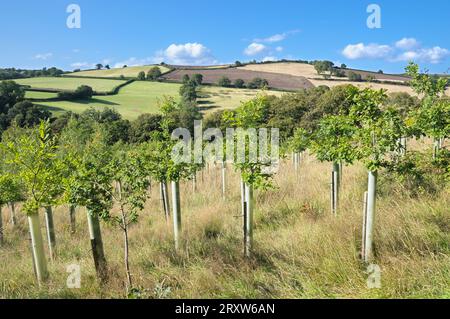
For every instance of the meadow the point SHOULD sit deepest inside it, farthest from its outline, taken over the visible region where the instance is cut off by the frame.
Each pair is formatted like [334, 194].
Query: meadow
[70, 84]
[143, 97]
[128, 72]
[301, 250]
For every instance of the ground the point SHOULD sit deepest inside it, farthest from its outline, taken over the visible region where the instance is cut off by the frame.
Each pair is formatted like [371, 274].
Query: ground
[70, 84]
[300, 249]
[128, 72]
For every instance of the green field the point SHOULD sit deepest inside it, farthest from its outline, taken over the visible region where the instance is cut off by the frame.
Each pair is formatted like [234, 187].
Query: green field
[132, 100]
[212, 98]
[142, 97]
[63, 83]
[39, 95]
[129, 72]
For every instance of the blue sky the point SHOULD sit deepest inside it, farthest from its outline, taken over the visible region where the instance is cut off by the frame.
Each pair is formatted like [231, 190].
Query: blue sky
[34, 34]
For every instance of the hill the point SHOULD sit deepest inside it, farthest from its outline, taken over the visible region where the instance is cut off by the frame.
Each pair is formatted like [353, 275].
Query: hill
[128, 72]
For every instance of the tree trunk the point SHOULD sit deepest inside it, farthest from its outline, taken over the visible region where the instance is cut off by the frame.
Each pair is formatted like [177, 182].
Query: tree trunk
[98, 253]
[50, 232]
[249, 206]
[37, 243]
[224, 180]
[1, 226]
[73, 224]
[176, 213]
[371, 204]
[12, 207]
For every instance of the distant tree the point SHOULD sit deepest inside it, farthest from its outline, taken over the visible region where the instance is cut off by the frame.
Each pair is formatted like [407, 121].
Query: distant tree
[239, 83]
[10, 94]
[154, 73]
[238, 63]
[370, 78]
[188, 91]
[197, 78]
[322, 67]
[380, 71]
[258, 83]
[343, 66]
[26, 114]
[107, 67]
[99, 66]
[141, 76]
[76, 70]
[125, 66]
[122, 77]
[224, 81]
[144, 126]
[352, 76]
[185, 78]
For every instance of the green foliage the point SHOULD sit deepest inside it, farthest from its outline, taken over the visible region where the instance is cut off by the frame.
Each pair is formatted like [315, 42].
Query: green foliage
[224, 81]
[40, 170]
[324, 66]
[197, 78]
[154, 73]
[250, 115]
[239, 83]
[188, 91]
[334, 140]
[258, 83]
[88, 178]
[141, 76]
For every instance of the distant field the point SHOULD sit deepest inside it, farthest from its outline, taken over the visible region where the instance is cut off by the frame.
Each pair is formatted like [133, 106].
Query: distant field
[212, 76]
[214, 98]
[129, 72]
[64, 83]
[142, 97]
[309, 72]
[39, 95]
[132, 100]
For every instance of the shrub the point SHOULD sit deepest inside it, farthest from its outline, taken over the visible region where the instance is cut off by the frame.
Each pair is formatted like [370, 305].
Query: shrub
[81, 93]
[154, 73]
[224, 81]
[239, 83]
[197, 78]
[141, 76]
[352, 76]
[258, 83]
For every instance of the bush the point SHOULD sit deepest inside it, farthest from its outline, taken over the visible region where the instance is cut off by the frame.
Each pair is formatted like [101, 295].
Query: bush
[258, 83]
[188, 91]
[239, 83]
[141, 76]
[224, 81]
[352, 76]
[197, 78]
[83, 92]
[154, 73]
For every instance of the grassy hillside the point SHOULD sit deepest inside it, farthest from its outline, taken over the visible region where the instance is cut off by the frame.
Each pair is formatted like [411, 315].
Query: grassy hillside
[301, 250]
[63, 83]
[132, 100]
[129, 72]
[142, 97]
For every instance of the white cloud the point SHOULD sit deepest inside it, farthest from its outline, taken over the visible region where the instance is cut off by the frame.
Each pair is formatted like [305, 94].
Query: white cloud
[254, 49]
[177, 54]
[407, 44]
[277, 37]
[433, 55]
[406, 49]
[279, 49]
[371, 51]
[43, 56]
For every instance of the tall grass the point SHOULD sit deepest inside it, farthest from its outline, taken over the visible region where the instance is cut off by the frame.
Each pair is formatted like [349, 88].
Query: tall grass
[301, 250]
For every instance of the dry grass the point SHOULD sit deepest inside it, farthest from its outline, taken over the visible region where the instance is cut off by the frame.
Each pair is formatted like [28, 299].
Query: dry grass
[301, 251]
